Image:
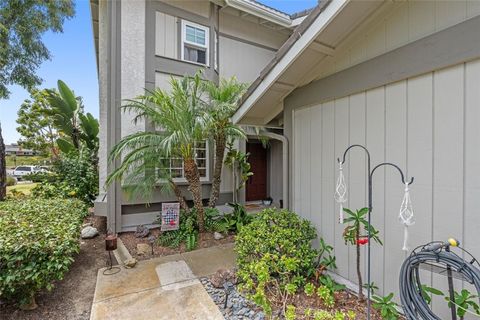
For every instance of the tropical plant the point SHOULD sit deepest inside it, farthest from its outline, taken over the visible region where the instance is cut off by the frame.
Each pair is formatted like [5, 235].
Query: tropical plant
[309, 289]
[464, 300]
[22, 24]
[223, 100]
[387, 308]
[352, 234]
[215, 221]
[327, 281]
[75, 127]
[35, 126]
[145, 155]
[274, 253]
[326, 295]
[38, 246]
[237, 161]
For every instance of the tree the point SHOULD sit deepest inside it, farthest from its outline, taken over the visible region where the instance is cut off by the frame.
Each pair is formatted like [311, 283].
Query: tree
[36, 128]
[353, 235]
[3, 169]
[77, 129]
[22, 23]
[223, 102]
[145, 156]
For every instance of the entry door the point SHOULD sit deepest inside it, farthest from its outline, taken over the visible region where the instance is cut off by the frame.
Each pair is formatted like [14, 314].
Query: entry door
[257, 184]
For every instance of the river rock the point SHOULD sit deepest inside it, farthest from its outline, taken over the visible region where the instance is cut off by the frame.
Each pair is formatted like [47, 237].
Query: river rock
[89, 232]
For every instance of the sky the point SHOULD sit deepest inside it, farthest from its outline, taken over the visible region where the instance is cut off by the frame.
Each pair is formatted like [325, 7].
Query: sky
[73, 61]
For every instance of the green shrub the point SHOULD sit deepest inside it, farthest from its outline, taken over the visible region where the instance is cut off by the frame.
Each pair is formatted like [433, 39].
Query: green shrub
[274, 251]
[11, 181]
[40, 177]
[215, 221]
[38, 239]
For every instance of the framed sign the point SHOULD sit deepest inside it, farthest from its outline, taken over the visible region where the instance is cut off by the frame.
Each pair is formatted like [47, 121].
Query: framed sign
[170, 216]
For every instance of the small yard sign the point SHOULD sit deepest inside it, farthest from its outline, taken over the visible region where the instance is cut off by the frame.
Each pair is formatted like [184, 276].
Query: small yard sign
[170, 216]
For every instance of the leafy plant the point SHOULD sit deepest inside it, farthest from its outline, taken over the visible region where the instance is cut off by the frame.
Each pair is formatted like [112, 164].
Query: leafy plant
[186, 233]
[237, 161]
[328, 282]
[290, 313]
[464, 300]
[38, 239]
[11, 181]
[372, 286]
[274, 251]
[352, 234]
[309, 289]
[387, 308]
[326, 295]
[326, 259]
[426, 292]
[215, 221]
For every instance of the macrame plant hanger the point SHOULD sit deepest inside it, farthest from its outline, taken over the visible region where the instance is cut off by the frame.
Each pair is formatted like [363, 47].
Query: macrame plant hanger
[406, 211]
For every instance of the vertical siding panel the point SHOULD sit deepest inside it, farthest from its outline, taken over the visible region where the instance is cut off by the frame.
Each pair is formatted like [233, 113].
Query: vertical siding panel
[376, 40]
[397, 27]
[305, 156]
[316, 167]
[420, 159]
[396, 152]
[448, 157]
[170, 36]
[357, 166]
[421, 18]
[160, 33]
[473, 8]
[328, 171]
[341, 143]
[301, 146]
[376, 145]
[472, 158]
[448, 13]
[295, 166]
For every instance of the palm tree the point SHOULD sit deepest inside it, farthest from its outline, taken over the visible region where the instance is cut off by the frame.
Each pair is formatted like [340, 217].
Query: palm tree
[180, 115]
[223, 102]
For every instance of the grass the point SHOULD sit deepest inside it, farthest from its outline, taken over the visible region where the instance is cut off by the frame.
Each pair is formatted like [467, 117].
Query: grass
[13, 161]
[25, 188]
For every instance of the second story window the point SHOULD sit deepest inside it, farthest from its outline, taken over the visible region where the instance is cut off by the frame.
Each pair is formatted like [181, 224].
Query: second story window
[195, 42]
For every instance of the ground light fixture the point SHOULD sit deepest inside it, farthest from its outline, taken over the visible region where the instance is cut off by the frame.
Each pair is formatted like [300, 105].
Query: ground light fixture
[406, 211]
[110, 245]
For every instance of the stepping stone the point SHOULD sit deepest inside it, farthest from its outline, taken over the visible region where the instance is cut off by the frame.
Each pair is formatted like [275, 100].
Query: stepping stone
[175, 275]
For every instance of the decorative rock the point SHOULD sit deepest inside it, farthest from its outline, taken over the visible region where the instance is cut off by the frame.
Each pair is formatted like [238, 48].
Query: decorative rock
[238, 307]
[89, 232]
[130, 263]
[141, 232]
[217, 236]
[143, 249]
[221, 276]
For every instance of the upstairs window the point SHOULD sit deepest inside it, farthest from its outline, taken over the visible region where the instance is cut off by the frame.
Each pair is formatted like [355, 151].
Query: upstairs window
[195, 42]
[173, 167]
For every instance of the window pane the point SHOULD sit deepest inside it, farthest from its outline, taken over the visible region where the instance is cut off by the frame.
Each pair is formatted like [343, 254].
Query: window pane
[177, 173]
[203, 172]
[195, 55]
[201, 58]
[200, 36]
[201, 163]
[201, 154]
[190, 33]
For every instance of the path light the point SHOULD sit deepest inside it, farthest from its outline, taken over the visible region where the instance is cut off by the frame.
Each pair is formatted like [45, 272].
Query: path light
[110, 245]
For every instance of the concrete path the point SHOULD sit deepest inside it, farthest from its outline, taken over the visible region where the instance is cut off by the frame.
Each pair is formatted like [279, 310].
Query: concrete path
[162, 288]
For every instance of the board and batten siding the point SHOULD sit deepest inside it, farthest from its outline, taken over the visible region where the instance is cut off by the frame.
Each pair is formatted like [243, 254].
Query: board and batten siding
[429, 126]
[166, 35]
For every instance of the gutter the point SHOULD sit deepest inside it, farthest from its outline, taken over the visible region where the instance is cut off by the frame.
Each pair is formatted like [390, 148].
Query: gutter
[261, 11]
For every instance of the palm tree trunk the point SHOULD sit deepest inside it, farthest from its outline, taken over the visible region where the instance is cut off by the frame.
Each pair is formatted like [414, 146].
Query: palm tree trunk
[220, 143]
[195, 188]
[179, 195]
[3, 169]
[359, 272]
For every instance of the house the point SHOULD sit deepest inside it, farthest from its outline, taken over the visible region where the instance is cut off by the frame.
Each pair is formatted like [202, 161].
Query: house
[16, 150]
[142, 44]
[403, 79]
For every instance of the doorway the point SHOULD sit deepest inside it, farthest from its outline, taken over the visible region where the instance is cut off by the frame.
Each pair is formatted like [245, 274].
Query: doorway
[256, 188]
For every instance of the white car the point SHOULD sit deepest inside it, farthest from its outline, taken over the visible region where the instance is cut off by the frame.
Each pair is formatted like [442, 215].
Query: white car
[20, 171]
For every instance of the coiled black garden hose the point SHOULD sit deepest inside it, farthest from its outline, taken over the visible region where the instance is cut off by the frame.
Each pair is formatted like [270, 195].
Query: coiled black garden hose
[414, 305]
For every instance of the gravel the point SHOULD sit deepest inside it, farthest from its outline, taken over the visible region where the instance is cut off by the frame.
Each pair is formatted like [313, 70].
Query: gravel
[237, 306]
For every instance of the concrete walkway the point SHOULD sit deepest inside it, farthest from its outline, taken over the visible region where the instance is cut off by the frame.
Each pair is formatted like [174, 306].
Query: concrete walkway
[162, 288]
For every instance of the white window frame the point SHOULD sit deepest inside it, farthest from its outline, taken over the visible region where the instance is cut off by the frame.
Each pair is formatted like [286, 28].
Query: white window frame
[207, 167]
[186, 23]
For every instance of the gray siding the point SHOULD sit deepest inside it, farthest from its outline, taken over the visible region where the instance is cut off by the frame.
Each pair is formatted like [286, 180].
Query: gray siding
[426, 124]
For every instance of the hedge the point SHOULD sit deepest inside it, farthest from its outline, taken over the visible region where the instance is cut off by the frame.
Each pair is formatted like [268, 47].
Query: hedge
[38, 238]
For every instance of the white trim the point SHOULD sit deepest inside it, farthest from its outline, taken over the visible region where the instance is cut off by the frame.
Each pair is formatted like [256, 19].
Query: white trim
[184, 41]
[312, 32]
[261, 11]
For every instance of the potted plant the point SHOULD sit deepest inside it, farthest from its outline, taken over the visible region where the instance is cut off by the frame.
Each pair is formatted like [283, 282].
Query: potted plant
[267, 201]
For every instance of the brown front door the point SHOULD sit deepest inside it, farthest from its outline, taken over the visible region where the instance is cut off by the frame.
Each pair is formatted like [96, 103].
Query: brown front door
[257, 184]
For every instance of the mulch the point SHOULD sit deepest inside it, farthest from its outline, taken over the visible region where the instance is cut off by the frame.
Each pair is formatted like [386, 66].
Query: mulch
[206, 240]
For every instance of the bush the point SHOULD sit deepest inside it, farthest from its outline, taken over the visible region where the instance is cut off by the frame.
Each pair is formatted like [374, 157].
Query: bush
[38, 239]
[40, 177]
[11, 181]
[274, 251]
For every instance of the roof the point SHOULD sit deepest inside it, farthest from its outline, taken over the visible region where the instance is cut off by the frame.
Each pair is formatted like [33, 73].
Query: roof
[295, 63]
